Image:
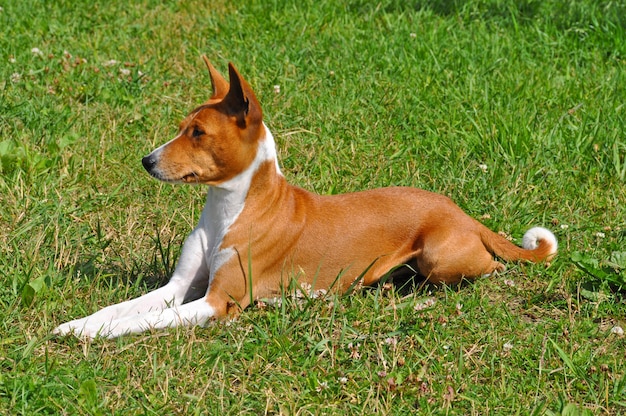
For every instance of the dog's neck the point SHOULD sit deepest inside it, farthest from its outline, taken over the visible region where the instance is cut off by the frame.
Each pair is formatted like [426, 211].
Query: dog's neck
[266, 151]
[226, 200]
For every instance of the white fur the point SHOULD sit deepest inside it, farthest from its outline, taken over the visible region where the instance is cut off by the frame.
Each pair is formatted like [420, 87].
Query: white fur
[200, 259]
[531, 239]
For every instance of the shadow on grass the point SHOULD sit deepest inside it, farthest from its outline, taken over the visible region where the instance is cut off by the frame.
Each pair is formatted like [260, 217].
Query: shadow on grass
[405, 281]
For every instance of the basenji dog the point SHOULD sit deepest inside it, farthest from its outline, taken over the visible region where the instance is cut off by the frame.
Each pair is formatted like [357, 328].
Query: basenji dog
[257, 232]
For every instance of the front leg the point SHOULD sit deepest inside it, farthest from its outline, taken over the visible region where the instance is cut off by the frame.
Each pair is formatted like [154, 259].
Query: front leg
[190, 278]
[197, 312]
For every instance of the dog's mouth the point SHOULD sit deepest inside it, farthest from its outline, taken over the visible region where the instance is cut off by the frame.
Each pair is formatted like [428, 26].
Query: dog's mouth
[190, 178]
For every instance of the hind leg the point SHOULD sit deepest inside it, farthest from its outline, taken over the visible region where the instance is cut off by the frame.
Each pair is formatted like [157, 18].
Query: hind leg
[449, 261]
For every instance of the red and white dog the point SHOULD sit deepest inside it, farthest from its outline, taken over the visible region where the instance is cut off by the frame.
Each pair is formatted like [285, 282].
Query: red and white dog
[257, 232]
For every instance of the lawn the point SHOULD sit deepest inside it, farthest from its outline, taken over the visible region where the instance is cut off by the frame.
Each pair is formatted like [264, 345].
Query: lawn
[514, 109]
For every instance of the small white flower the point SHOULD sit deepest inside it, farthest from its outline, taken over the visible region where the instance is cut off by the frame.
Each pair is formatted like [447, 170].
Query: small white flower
[125, 72]
[342, 380]
[110, 62]
[564, 226]
[426, 303]
[276, 89]
[507, 347]
[483, 167]
[16, 77]
[354, 353]
[413, 35]
[617, 330]
[36, 52]
[391, 341]
[319, 293]
[600, 234]
[12, 59]
[446, 347]
[322, 386]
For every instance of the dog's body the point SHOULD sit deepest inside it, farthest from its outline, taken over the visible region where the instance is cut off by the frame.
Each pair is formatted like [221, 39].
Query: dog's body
[257, 232]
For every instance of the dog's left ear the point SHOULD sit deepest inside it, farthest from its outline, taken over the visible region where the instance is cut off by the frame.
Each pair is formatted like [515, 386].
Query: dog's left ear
[218, 83]
[240, 100]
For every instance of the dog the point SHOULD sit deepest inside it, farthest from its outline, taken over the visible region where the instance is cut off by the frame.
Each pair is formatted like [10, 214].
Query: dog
[257, 232]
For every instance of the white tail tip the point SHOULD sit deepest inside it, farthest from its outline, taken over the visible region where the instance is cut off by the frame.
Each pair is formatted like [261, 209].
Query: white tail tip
[531, 239]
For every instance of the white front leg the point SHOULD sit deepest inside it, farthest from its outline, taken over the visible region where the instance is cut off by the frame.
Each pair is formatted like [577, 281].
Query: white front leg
[190, 278]
[197, 312]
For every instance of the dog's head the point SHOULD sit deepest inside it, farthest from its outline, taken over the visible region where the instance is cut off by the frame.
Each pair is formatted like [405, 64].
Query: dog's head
[217, 140]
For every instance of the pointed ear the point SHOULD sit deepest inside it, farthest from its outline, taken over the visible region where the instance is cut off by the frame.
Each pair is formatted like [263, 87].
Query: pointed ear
[240, 100]
[218, 83]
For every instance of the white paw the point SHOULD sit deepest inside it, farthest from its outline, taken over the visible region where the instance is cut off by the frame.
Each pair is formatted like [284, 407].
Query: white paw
[80, 328]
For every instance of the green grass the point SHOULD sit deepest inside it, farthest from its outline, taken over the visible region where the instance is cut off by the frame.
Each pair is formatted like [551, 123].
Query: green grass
[371, 94]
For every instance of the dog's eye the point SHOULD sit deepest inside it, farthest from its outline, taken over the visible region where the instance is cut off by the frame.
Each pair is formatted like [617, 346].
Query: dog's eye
[196, 133]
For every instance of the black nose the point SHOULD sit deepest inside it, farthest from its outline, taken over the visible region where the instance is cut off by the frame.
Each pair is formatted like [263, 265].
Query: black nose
[148, 162]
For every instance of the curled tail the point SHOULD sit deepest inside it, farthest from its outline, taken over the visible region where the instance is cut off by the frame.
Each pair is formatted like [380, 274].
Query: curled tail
[538, 244]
